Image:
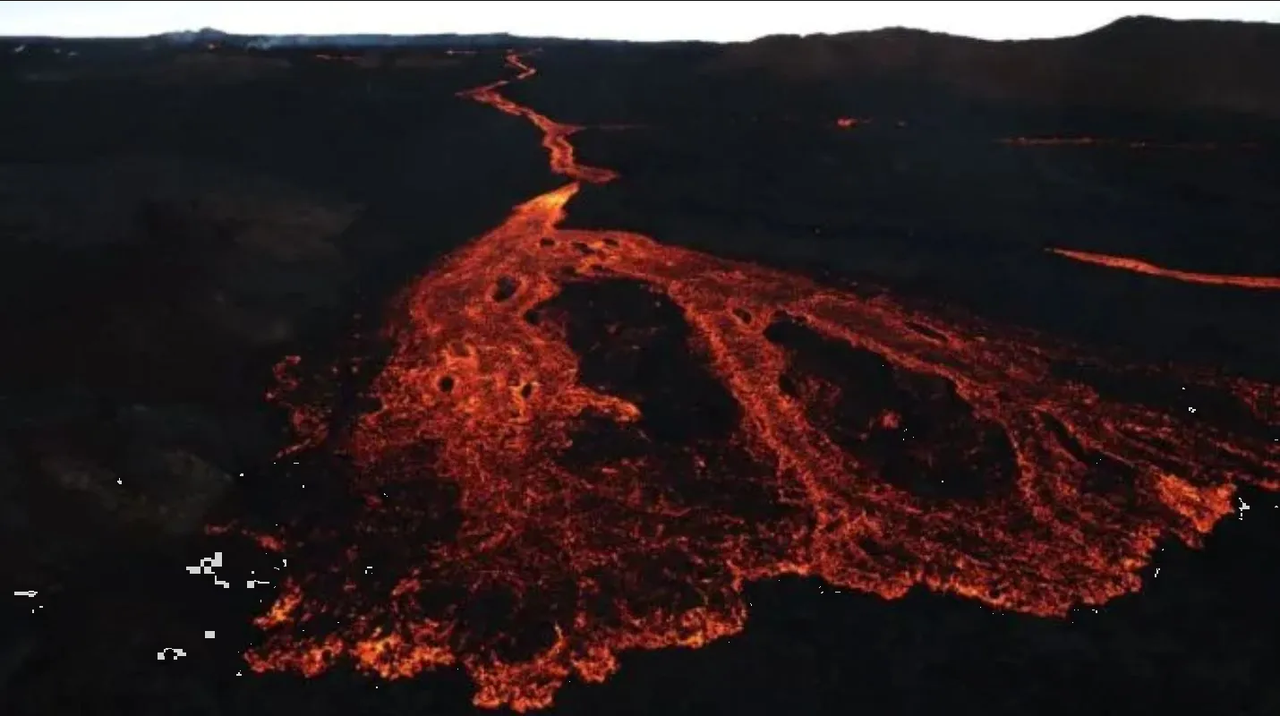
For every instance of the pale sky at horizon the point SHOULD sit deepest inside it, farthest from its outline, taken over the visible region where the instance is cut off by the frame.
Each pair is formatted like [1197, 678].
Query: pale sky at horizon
[647, 20]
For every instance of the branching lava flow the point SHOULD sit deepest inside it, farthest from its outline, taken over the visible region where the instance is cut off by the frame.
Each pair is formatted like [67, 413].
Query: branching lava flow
[527, 560]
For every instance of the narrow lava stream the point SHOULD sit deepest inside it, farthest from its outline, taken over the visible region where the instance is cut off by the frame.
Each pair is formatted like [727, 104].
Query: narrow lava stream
[1125, 263]
[541, 569]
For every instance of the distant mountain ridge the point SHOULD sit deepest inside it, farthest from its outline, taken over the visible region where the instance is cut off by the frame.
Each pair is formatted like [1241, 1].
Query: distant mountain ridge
[355, 41]
[1137, 62]
[352, 41]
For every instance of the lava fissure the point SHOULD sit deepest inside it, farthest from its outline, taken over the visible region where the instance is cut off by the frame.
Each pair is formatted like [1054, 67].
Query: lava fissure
[526, 521]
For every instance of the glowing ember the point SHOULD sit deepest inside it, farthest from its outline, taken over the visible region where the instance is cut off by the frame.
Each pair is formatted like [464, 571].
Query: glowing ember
[549, 522]
[1142, 267]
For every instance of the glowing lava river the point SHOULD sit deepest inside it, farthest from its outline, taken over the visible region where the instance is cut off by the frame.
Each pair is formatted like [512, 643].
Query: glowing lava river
[524, 515]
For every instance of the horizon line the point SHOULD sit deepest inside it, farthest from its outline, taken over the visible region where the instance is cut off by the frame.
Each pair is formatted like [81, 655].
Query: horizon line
[569, 38]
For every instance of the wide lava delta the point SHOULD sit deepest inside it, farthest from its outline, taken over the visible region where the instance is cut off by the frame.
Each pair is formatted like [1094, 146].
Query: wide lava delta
[585, 442]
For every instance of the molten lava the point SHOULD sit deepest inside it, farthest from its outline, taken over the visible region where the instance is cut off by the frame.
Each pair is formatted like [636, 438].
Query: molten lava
[546, 522]
[1142, 267]
[555, 136]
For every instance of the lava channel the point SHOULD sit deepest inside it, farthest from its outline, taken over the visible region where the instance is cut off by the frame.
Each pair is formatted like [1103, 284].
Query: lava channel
[1133, 265]
[524, 507]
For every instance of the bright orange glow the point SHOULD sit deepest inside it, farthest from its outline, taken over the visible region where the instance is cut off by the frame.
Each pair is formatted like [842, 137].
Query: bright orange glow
[555, 136]
[553, 562]
[1142, 267]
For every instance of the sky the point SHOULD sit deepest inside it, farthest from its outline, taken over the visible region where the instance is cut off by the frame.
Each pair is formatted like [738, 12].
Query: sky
[724, 21]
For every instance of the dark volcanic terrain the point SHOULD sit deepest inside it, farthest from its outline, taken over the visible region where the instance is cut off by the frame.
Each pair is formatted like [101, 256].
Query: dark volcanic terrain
[279, 305]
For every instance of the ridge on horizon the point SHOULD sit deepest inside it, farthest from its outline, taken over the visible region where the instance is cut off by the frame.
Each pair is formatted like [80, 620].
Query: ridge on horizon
[1127, 23]
[203, 34]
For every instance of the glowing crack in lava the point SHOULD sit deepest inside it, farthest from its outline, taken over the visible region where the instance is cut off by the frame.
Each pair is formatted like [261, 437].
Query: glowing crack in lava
[1138, 266]
[550, 524]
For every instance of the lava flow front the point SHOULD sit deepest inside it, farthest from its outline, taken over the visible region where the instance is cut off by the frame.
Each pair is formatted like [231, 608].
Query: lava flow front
[525, 507]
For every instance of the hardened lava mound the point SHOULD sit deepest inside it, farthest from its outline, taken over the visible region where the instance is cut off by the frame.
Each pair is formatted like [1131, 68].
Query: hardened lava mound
[585, 442]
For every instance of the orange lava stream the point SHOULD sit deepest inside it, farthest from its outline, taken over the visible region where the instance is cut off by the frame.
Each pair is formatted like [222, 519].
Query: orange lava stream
[555, 136]
[576, 562]
[1142, 267]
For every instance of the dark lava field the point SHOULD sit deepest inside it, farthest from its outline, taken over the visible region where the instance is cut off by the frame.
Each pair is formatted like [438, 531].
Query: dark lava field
[886, 372]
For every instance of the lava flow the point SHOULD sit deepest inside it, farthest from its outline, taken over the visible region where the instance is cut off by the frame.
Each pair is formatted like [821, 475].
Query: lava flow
[526, 515]
[1138, 266]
